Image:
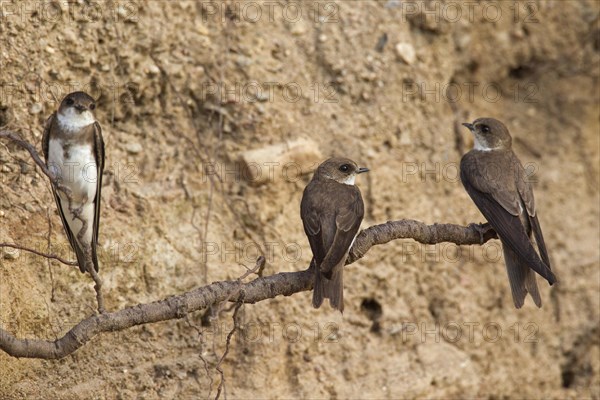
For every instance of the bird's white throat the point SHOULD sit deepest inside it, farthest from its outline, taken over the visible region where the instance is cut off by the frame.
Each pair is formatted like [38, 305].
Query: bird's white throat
[70, 119]
[482, 146]
[350, 180]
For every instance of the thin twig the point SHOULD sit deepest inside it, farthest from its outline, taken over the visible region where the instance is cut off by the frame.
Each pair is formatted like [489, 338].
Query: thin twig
[89, 266]
[204, 361]
[39, 253]
[52, 292]
[97, 287]
[221, 387]
[259, 289]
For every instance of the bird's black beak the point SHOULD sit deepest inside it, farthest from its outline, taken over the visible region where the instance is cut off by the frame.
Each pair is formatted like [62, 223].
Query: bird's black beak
[80, 108]
[361, 170]
[469, 126]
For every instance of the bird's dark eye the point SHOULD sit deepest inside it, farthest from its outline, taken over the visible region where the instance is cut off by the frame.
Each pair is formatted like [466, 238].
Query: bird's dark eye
[70, 102]
[345, 168]
[92, 106]
[485, 129]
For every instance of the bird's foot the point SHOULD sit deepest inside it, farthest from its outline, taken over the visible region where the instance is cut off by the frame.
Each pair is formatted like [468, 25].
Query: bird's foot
[485, 231]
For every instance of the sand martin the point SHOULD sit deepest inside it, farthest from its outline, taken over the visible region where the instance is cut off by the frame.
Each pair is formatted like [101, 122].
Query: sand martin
[332, 209]
[74, 152]
[496, 181]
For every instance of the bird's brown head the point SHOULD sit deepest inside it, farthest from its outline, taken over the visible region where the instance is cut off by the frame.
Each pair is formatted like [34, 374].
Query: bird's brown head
[79, 101]
[490, 134]
[341, 170]
[76, 110]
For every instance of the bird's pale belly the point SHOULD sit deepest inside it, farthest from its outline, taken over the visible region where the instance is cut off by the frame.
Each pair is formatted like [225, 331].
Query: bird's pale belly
[76, 168]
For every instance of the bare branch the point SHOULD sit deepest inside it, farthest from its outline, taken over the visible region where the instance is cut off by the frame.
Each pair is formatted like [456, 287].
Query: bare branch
[221, 387]
[262, 288]
[39, 253]
[420, 232]
[98, 282]
[48, 262]
[202, 358]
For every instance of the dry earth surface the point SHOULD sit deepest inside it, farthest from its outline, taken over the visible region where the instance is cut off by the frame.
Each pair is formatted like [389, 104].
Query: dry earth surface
[188, 83]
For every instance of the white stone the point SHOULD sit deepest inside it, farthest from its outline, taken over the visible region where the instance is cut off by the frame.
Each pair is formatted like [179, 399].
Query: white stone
[286, 161]
[134, 148]
[406, 52]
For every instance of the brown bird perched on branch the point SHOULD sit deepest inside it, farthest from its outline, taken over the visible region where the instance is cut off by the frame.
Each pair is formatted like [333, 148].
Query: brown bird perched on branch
[332, 209]
[74, 153]
[496, 181]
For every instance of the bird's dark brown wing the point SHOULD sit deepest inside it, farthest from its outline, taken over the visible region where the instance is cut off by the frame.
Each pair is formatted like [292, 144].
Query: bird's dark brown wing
[526, 194]
[79, 254]
[99, 151]
[508, 226]
[46, 136]
[347, 222]
[539, 238]
[312, 225]
[310, 212]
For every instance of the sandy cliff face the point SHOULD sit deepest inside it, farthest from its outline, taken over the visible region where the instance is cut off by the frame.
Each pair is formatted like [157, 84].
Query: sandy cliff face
[188, 88]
